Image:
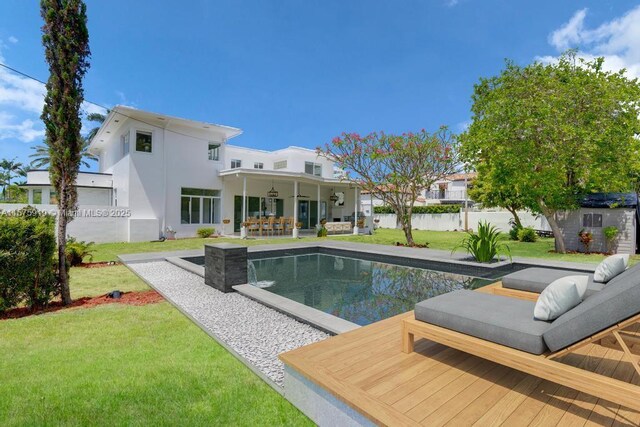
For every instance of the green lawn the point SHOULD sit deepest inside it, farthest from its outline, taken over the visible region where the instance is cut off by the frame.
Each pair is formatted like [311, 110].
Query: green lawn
[126, 365]
[446, 240]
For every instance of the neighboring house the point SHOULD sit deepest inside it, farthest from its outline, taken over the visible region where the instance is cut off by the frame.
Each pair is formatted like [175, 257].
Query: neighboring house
[160, 172]
[452, 189]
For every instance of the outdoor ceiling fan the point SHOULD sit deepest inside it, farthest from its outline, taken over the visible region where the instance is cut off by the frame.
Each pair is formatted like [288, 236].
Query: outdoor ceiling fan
[299, 196]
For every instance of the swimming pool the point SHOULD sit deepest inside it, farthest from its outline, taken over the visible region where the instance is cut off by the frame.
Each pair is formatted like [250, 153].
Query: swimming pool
[360, 291]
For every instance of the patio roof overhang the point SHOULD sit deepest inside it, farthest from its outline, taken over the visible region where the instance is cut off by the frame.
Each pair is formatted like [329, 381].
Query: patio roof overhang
[284, 176]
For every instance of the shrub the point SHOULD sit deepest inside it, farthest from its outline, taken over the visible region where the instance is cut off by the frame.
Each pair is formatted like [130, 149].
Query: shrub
[205, 232]
[515, 228]
[610, 235]
[27, 264]
[322, 231]
[431, 209]
[586, 238]
[485, 245]
[527, 234]
[76, 251]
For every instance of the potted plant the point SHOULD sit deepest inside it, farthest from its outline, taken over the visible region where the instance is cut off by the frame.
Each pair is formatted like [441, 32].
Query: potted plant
[298, 225]
[170, 233]
[610, 234]
[586, 238]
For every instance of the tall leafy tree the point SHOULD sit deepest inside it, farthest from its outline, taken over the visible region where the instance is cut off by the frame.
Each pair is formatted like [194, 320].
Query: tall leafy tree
[492, 190]
[395, 168]
[555, 132]
[66, 42]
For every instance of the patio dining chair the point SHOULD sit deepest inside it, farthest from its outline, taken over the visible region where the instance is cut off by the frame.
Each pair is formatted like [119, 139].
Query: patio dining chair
[270, 225]
[280, 225]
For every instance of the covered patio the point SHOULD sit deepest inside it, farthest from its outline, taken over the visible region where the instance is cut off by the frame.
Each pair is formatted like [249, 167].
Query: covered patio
[270, 203]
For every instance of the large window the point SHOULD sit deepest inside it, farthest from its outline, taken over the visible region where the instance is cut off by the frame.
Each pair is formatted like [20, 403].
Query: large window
[53, 197]
[258, 165]
[200, 206]
[313, 168]
[214, 151]
[235, 164]
[144, 142]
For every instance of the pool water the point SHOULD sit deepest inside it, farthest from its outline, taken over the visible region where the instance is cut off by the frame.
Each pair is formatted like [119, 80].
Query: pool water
[356, 290]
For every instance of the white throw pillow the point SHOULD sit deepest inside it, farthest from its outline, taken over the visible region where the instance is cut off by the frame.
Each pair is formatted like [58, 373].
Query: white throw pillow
[610, 267]
[560, 296]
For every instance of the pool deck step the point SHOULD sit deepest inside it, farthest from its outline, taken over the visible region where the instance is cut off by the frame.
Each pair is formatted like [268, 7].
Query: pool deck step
[316, 318]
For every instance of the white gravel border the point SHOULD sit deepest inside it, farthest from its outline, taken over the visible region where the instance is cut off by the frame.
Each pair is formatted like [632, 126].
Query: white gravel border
[255, 332]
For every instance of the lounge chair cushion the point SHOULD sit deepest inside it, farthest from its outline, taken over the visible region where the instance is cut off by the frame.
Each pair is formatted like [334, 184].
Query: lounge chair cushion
[617, 301]
[559, 297]
[536, 279]
[502, 320]
[610, 267]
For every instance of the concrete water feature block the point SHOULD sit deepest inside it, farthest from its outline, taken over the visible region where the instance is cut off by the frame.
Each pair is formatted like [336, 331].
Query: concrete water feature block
[225, 265]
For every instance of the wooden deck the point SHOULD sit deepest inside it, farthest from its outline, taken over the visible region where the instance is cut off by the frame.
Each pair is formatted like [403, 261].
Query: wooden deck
[437, 385]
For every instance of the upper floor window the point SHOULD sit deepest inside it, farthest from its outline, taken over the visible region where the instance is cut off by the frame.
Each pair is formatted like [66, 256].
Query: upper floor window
[124, 140]
[313, 168]
[214, 151]
[144, 142]
[258, 165]
[280, 164]
[235, 163]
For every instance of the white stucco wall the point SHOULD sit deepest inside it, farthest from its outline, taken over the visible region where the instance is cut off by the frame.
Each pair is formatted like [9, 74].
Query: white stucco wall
[450, 222]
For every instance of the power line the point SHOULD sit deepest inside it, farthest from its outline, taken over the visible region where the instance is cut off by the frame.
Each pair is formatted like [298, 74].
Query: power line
[101, 106]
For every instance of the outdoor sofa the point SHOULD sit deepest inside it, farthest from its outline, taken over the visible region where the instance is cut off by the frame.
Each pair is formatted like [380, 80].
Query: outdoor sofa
[503, 329]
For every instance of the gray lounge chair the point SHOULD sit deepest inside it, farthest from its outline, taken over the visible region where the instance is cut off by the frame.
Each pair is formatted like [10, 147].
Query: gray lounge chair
[535, 279]
[503, 330]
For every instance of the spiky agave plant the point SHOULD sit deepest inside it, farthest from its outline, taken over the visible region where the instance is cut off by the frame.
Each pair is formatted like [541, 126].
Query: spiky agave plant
[484, 245]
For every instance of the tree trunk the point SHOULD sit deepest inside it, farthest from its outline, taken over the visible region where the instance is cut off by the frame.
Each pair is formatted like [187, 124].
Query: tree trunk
[516, 218]
[406, 227]
[557, 232]
[63, 274]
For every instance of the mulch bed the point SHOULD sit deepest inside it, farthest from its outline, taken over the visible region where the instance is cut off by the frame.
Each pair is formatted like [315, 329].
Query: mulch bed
[98, 264]
[415, 245]
[129, 298]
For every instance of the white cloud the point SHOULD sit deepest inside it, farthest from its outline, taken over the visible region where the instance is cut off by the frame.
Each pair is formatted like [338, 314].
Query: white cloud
[13, 39]
[24, 97]
[616, 40]
[26, 130]
[451, 3]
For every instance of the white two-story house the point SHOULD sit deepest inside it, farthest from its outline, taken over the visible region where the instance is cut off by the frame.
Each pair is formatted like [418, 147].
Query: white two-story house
[159, 172]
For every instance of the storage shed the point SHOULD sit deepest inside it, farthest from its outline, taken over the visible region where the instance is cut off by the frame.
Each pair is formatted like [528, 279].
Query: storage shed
[598, 211]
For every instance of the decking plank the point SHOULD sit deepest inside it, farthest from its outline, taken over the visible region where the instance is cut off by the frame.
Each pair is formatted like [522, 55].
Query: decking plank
[437, 385]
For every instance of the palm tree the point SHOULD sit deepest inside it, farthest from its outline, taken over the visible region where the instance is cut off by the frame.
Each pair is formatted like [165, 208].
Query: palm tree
[10, 167]
[40, 155]
[4, 182]
[96, 118]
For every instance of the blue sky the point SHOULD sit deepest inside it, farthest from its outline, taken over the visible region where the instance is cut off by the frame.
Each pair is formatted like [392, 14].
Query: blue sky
[292, 72]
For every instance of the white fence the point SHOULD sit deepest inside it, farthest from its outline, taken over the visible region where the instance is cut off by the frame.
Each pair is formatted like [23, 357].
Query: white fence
[455, 221]
[98, 224]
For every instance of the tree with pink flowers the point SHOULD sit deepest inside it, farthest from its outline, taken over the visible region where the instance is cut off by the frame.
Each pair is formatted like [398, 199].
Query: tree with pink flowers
[395, 168]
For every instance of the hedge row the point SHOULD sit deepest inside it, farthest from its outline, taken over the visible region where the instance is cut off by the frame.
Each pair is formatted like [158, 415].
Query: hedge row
[431, 209]
[27, 263]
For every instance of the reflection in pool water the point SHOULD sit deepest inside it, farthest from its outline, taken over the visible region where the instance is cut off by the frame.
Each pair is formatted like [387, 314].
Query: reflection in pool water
[356, 290]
